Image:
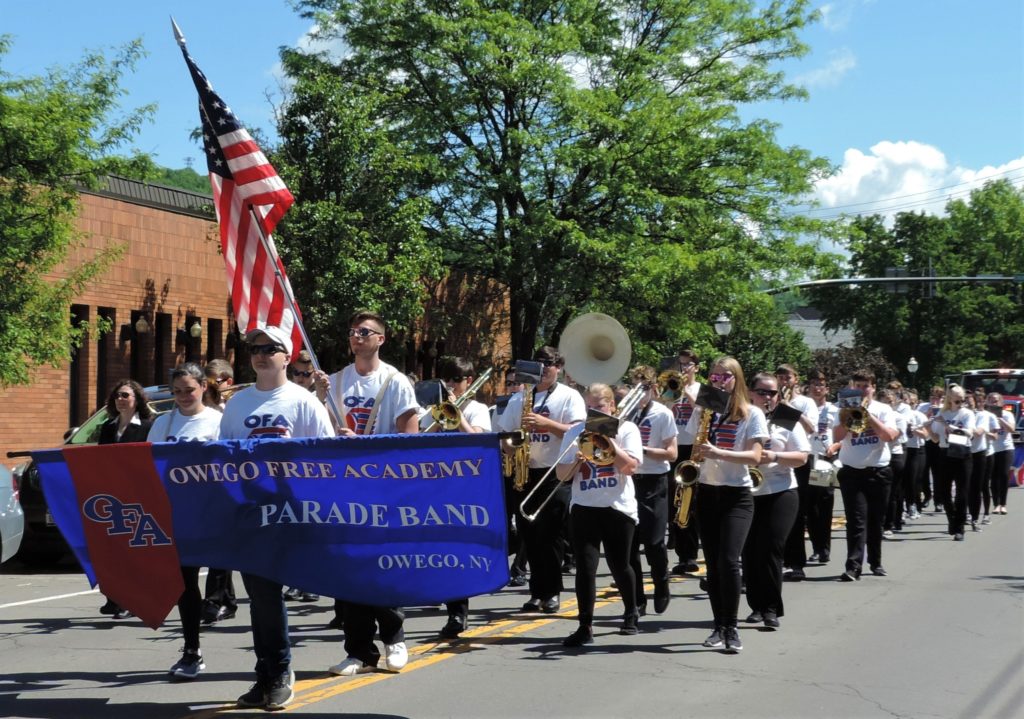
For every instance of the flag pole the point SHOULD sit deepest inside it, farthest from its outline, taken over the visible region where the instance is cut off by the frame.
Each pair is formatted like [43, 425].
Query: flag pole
[290, 299]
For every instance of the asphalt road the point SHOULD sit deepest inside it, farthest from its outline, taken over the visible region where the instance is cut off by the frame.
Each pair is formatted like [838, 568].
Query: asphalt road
[941, 636]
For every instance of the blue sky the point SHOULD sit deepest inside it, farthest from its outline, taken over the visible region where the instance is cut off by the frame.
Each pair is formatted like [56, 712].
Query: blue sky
[913, 101]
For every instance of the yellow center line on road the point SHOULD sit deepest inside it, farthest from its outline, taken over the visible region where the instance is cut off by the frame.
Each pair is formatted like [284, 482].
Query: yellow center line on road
[311, 691]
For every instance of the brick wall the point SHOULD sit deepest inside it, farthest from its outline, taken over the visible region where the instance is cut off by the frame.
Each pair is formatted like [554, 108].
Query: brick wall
[172, 267]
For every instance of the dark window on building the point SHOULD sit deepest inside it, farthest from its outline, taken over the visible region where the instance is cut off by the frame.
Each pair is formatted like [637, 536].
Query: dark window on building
[78, 387]
[214, 339]
[163, 352]
[104, 354]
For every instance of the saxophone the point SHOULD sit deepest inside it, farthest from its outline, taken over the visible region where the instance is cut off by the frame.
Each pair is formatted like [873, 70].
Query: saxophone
[517, 463]
[688, 471]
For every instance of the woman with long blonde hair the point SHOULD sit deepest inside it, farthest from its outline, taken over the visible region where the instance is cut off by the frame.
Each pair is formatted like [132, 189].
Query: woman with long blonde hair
[725, 506]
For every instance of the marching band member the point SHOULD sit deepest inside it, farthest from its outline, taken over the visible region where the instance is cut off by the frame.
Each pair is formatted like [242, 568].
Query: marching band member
[951, 425]
[1002, 461]
[604, 511]
[864, 476]
[897, 462]
[776, 503]
[374, 398]
[658, 436]
[556, 407]
[932, 451]
[917, 436]
[789, 393]
[685, 540]
[298, 414]
[821, 500]
[725, 507]
[986, 430]
[457, 374]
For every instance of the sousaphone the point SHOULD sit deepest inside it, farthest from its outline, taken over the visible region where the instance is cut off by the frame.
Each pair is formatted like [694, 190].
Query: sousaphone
[596, 348]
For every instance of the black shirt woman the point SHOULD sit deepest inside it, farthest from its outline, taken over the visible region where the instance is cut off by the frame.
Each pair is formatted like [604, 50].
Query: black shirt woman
[130, 420]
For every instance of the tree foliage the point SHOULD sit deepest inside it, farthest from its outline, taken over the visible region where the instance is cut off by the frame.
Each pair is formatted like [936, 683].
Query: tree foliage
[946, 327]
[356, 238]
[589, 155]
[57, 133]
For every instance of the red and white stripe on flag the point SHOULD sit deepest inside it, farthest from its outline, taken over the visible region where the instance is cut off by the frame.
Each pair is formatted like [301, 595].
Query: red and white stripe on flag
[246, 190]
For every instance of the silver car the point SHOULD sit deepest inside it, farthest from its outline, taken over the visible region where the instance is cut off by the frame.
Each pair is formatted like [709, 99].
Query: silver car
[12, 520]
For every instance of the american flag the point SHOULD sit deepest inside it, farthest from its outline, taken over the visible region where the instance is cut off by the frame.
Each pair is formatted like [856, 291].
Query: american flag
[245, 186]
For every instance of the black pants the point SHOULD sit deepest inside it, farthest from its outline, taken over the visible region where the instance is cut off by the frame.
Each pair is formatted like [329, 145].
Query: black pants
[774, 515]
[954, 474]
[725, 517]
[981, 467]
[864, 492]
[912, 476]
[652, 506]
[190, 607]
[458, 608]
[796, 550]
[932, 471]
[543, 536]
[592, 527]
[361, 624]
[1001, 464]
[894, 498]
[220, 588]
[685, 541]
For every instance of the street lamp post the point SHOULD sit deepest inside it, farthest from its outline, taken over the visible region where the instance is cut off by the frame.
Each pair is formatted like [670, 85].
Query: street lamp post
[912, 367]
[723, 326]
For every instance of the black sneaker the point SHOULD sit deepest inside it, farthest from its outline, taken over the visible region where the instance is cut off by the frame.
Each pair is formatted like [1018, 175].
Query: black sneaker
[280, 693]
[754, 618]
[662, 596]
[629, 625]
[189, 666]
[255, 697]
[771, 620]
[454, 627]
[109, 608]
[518, 580]
[796, 575]
[292, 594]
[583, 635]
[733, 645]
[715, 640]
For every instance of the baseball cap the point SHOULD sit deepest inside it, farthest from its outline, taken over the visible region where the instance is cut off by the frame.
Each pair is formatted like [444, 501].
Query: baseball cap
[275, 334]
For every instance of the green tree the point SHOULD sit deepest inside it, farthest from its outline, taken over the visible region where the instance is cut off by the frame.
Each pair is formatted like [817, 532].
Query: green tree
[184, 178]
[356, 238]
[57, 133]
[946, 327]
[591, 156]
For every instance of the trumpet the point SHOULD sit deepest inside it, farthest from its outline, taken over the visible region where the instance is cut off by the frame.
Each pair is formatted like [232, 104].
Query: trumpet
[448, 413]
[855, 419]
[670, 386]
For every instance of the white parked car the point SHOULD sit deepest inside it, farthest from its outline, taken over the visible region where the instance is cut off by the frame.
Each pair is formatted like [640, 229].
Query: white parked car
[12, 520]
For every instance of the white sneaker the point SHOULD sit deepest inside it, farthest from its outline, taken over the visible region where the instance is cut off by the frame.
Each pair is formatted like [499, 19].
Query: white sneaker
[350, 667]
[396, 656]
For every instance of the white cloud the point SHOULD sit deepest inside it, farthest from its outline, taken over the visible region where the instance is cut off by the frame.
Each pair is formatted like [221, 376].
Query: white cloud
[840, 62]
[836, 15]
[902, 176]
[310, 42]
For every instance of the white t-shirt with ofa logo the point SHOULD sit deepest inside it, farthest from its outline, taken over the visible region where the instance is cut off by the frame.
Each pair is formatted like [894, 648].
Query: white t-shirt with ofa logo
[962, 419]
[807, 406]
[1004, 440]
[355, 395]
[657, 425]
[776, 477]
[737, 436]
[682, 410]
[282, 412]
[562, 404]
[596, 486]
[204, 426]
[867, 449]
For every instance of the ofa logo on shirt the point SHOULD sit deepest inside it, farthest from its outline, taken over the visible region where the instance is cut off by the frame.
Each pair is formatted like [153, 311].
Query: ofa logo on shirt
[541, 436]
[595, 476]
[682, 411]
[267, 425]
[645, 432]
[725, 435]
[357, 418]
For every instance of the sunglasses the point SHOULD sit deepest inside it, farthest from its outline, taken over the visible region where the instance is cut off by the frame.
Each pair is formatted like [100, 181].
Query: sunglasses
[363, 332]
[303, 373]
[265, 349]
[455, 380]
[546, 363]
[766, 392]
[124, 395]
[720, 377]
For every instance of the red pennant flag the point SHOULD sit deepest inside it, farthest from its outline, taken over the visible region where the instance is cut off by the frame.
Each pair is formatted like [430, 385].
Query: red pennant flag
[126, 516]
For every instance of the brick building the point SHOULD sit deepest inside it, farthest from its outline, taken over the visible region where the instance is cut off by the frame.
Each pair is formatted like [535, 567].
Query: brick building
[165, 298]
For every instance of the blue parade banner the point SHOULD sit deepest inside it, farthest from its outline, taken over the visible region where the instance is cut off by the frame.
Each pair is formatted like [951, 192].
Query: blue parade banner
[391, 520]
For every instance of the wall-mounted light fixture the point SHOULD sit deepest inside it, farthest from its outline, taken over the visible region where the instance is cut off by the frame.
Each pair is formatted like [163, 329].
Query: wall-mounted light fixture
[196, 330]
[141, 325]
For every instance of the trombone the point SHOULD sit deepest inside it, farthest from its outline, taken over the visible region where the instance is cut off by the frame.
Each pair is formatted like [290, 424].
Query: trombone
[595, 446]
[448, 413]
